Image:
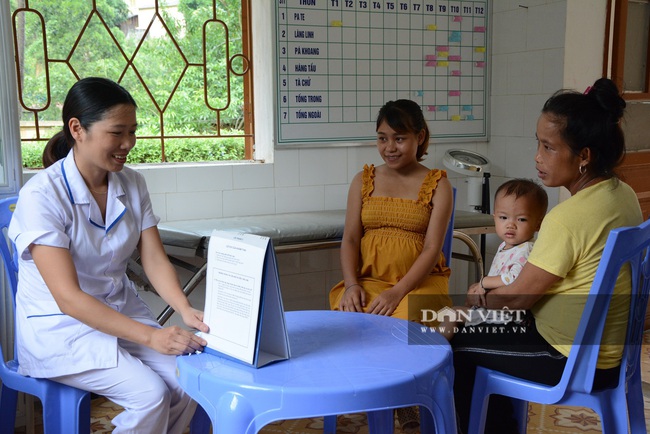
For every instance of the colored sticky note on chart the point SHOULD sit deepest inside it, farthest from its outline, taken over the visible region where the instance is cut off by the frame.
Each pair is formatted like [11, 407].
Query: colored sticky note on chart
[480, 49]
[442, 48]
[467, 108]
[430, 57]
[442, 108]
[432, 63]
[469, 117]
[336, 23]
[458, 19]
[454, 37]
[432, 27]
[443, 64]
[456, 118]
[454, 93]
[454, 58]
[455, 73]
[479, 29]
[480, 64]
[431, 108]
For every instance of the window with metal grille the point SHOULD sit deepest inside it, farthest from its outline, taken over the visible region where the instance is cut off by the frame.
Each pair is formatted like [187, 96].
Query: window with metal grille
[186, 62]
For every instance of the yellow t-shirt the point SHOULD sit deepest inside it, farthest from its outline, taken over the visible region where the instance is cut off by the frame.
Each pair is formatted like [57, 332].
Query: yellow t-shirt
[569, 245]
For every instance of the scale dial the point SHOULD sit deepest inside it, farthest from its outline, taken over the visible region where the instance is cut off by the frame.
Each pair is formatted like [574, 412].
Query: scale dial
[466, 162]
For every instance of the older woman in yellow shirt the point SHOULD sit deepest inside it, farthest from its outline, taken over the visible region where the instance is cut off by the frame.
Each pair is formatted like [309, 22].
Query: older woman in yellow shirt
[579, 143]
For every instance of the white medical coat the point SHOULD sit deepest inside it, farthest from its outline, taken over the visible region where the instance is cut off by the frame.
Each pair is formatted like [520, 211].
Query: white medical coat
[55, 208]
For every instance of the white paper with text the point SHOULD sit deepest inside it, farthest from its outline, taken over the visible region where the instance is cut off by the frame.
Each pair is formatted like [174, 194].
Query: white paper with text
[233, 289]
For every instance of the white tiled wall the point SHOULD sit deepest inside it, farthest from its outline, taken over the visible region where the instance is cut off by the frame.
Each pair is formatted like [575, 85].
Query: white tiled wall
[530, 60]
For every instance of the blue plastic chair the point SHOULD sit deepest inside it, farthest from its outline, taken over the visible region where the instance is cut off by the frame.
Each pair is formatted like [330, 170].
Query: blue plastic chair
[449, 235]
[624, 245]
[65, 409]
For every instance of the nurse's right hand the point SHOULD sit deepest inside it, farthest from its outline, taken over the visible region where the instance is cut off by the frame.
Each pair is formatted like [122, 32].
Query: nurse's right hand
[176, 341]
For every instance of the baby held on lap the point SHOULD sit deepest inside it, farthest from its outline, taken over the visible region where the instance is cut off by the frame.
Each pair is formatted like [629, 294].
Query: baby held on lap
[519, 207]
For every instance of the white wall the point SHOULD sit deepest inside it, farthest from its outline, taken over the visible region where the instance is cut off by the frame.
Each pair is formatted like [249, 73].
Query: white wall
[538, 47]
[298, 180]
[528, 64]
[537, 50]
[530, 61]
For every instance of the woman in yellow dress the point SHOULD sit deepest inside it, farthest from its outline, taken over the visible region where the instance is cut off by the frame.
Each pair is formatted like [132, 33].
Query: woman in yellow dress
[396, 221]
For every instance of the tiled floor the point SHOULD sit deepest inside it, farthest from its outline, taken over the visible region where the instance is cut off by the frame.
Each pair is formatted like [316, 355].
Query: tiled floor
[544, 419]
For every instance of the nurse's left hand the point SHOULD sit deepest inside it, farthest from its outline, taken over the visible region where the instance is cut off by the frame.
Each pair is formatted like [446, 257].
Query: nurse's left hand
[176, 341]
[194, 318]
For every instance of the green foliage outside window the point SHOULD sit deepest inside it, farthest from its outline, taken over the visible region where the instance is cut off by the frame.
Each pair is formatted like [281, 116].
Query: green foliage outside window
[148, 151]
[176, 80]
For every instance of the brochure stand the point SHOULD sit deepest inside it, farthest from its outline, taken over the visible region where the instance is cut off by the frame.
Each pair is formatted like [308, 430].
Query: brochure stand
[243, 305]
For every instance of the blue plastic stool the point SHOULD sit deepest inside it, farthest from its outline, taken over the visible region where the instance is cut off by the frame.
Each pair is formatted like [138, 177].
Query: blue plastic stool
[341, 362]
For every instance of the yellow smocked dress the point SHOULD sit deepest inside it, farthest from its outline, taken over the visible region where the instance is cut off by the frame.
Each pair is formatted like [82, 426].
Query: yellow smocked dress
[393, 237]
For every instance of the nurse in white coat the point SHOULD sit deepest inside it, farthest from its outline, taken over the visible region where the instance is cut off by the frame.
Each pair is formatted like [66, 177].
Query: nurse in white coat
[79, 318]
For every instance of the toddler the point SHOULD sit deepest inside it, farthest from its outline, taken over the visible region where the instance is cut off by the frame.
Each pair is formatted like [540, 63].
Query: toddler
[519, 207]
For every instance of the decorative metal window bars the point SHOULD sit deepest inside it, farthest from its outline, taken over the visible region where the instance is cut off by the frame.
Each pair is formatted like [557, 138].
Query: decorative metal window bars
[238, 66]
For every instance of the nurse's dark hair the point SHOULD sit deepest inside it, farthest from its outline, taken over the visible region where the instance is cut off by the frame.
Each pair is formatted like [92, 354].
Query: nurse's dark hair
[88, 100]
[591, 120]
[405, 116]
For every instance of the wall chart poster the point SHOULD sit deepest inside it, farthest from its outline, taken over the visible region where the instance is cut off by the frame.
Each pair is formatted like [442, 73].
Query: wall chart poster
[339, 61]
